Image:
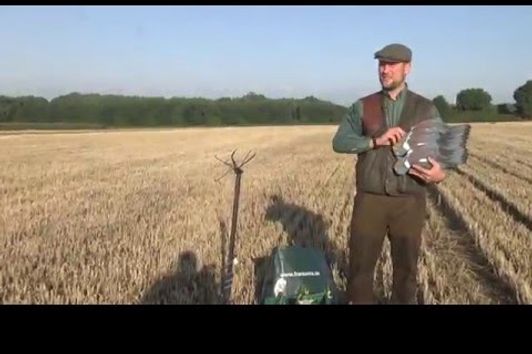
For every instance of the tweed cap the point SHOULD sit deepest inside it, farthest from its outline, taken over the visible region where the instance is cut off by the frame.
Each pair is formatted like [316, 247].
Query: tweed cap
[394, 52]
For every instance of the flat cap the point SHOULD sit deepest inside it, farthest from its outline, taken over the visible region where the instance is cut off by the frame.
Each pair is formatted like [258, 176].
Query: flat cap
[394, 52]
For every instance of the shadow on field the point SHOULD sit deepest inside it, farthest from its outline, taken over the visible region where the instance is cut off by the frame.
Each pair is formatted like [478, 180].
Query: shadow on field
[186, 285]
[304, 228]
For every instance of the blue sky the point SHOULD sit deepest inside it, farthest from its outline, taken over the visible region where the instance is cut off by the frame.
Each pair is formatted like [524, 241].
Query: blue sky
[278, 51]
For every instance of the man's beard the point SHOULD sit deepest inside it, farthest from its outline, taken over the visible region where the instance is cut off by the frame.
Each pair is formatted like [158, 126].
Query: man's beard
[392, 86]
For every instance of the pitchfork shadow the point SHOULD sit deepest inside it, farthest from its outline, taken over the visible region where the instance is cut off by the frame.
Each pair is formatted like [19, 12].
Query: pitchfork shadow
[186, 285]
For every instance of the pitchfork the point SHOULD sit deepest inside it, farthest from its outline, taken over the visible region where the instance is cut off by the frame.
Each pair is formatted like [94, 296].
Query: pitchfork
[227, 278]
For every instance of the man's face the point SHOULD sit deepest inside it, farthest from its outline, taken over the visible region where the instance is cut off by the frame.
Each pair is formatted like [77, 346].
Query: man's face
[392, 75]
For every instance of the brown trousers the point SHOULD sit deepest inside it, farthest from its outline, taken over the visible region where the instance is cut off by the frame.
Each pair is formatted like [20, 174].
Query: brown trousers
[374, 216]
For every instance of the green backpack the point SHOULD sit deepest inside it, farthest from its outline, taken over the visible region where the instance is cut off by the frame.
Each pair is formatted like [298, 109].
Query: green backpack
[298, 276]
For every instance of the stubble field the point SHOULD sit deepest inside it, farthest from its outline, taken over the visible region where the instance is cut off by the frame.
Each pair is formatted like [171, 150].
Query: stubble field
[139, 216]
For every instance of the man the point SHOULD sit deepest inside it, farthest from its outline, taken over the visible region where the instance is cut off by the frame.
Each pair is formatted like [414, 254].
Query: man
[386, 203]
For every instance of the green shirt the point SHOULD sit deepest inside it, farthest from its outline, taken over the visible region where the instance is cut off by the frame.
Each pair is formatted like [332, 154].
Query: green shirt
[349, 138]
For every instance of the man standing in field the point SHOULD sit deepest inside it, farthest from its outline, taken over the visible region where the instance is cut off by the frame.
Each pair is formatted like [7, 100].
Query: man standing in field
[386, 203]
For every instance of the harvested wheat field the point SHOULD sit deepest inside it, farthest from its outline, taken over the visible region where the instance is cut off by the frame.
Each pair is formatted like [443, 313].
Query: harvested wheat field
[139, 216]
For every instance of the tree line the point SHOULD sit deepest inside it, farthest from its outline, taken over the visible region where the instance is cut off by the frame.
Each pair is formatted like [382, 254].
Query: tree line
[121, 111]
[473, 104]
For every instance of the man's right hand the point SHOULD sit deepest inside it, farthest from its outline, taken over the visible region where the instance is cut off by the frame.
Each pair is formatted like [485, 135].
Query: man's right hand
[391, 136]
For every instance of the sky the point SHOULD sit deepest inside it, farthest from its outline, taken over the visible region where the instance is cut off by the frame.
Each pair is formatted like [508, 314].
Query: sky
[277, 51]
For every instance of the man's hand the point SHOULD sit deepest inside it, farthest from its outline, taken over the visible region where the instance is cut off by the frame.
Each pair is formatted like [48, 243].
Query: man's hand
[391, 136]
[433, 175]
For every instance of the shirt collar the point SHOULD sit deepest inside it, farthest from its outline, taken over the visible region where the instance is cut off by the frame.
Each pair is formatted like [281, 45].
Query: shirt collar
[400, 96]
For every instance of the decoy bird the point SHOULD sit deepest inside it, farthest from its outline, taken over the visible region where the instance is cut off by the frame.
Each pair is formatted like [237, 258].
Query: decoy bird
[432, 137]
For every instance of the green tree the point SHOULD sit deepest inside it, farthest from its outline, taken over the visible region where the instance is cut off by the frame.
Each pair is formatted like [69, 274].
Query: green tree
[252, 96]
[443, 106]
[523, 99]
[473, 99]
[8, 108]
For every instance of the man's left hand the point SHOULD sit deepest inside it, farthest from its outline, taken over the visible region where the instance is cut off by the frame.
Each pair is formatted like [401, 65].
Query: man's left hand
[433, 175]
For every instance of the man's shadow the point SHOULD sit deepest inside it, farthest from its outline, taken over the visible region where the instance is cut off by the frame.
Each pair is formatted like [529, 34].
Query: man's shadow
[305, 228]
[186, 285]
